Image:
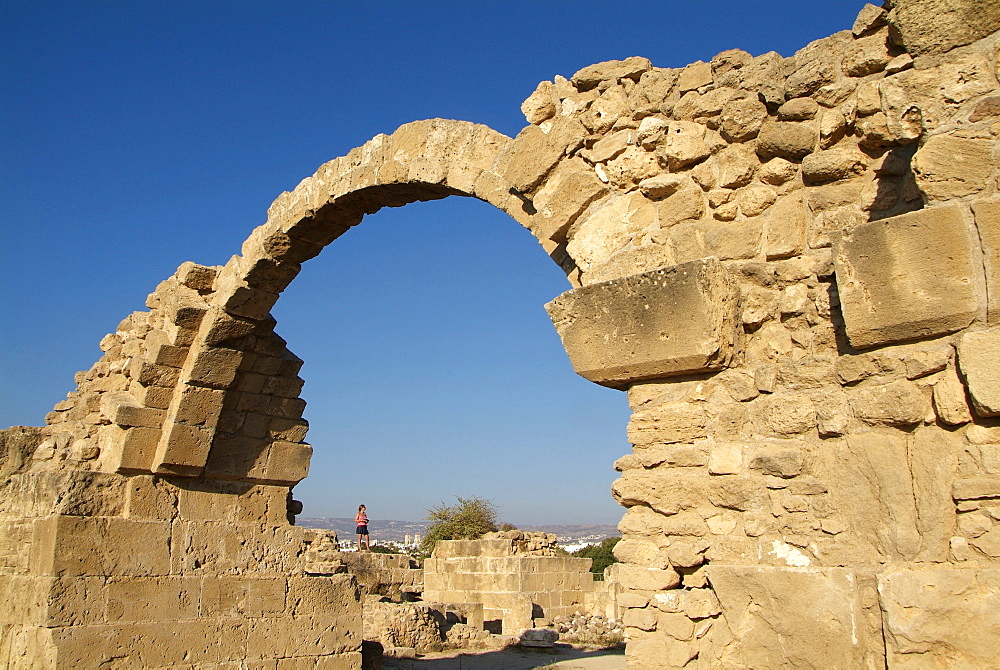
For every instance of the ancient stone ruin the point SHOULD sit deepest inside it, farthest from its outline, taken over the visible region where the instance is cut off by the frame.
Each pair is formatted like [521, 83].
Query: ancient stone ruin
[791, 265]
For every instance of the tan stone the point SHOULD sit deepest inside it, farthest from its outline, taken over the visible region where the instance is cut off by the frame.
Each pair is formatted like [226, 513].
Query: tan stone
[869, 18]
[540, 105]
[700, 339]
[786, 139]
[736, 166]
[695, 76]
[683, 146]
[987, 214]
[833, 164]
[612, 70]
[785, 227]
[935, 26]
[947, 166]
[977, 359]
[632, 166]
[756, 198]
[793, 617]
[940, 613]
[565, 195]
[533, 153]
[798, 109]
[777, 171]
[741, 119]
[949, 399]
[899, 403]
[907, 277]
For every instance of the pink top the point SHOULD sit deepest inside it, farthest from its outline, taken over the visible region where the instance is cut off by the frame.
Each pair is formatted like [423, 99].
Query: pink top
[361, 519]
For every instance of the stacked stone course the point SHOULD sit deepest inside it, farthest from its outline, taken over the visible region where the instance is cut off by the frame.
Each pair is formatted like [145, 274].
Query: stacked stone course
[789, 264]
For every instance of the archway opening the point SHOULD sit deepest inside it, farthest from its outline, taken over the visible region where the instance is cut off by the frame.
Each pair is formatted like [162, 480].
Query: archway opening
[432, 371]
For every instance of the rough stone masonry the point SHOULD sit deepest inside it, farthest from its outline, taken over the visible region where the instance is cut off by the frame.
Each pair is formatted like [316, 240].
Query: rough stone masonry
[792, 267]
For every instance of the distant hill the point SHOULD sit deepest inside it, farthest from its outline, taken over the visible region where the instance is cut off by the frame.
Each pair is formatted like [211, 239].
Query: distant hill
[395, 531]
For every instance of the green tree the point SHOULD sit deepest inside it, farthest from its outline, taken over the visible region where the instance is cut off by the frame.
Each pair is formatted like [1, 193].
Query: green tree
[469, 519]
[602, 555]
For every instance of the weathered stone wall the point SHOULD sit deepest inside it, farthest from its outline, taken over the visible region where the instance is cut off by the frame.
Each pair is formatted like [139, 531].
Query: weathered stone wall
[790, 264]
[145, 571]
[518, 580]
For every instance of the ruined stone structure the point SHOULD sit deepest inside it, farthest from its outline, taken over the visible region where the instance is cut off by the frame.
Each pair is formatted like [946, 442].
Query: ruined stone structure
[792, 265]
[518, 585]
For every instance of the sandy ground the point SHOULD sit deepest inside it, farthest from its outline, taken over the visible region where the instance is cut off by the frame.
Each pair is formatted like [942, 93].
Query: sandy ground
[562, 657]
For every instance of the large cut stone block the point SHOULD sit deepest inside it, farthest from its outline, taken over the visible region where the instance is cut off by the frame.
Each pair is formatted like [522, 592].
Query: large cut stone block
[941, 618]
[797, 617]
[936, 26]
[671, 321]
[908, 277]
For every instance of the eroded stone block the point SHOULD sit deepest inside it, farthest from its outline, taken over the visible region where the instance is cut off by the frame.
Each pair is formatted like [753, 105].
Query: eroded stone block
[908, 277]
[977, 359]
[988, 224]
[943, 617]
[795, 617]
[670, 321]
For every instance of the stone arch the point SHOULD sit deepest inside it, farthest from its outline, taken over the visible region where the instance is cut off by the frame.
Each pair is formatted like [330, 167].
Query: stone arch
[203, 387]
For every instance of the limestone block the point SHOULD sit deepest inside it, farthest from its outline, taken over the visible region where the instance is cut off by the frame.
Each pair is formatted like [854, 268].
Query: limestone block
[978, 362]
[609, 227]
[667, 423]
[646, 579]
[869, 18]
[533, 153]
[287, 462]
[873, 491]
[100, 546]
[694, 76]
[933, 455]
[898, 403]
[943, 617]
[149, 498]
[833, 164]
[127, 449]
[949, 400]
[665, 494]
[182, 449]
[936, 26]
[736, 165]
[213, 366]
[987, 214]
[785, 227]
[951, 167]
[796, 617]
[632, 166]
[741, 119]
[786, 139]
[540, 105]
[612, 70]
[683, 146]
[670, 321]
[152, 598]
[976, 488]
[725, 458]
[907, 277]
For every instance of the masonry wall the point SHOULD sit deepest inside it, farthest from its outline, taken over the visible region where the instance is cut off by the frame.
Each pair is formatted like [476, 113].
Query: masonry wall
[516, 588]
[150, 572]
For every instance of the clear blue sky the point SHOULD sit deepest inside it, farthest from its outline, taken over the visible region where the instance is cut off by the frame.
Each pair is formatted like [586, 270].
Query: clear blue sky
[137, 135]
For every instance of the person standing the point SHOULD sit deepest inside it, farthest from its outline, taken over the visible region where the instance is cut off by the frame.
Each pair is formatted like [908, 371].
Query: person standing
[361, 520]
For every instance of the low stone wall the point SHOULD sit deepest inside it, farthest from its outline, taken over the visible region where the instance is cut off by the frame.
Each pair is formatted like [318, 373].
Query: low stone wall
[156, 572]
